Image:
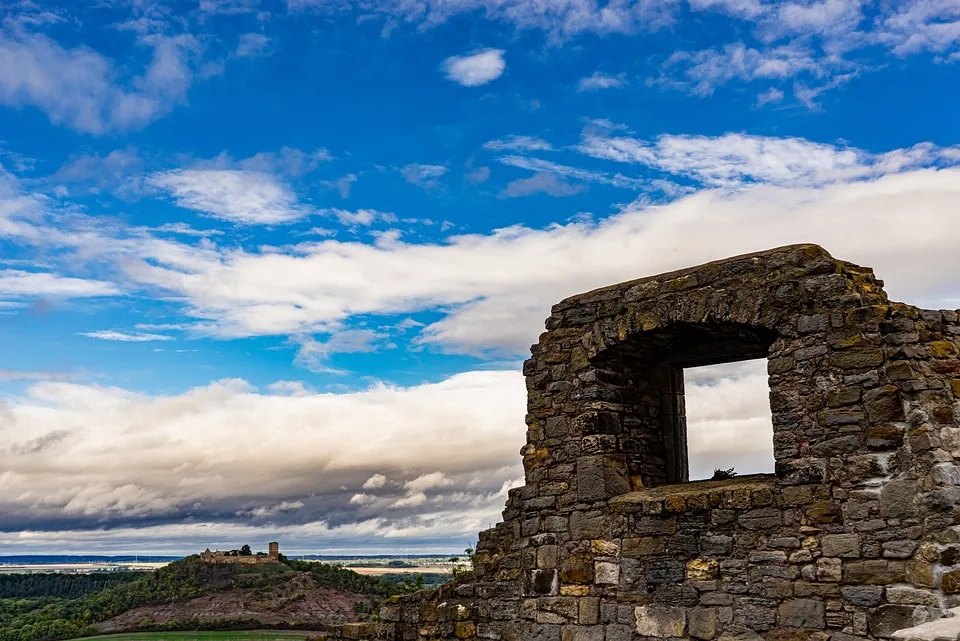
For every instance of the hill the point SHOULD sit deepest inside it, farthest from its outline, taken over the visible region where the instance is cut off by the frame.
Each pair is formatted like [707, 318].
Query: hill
[188, 595]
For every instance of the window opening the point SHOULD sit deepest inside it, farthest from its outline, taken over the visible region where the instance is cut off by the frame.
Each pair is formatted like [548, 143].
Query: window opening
[728, 419]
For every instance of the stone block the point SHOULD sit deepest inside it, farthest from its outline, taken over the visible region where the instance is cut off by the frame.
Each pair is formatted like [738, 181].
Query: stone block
[660, 621]
[802, 613]
[635, 548]
[702, 623]
[606, 573]
[845, 546]
[873, 572]
[950, 582]
[702, 569]
[887, 619]
[865, 596]
[601, 477]
[883, 404]
[898, 499]
[541, 583]
[618, 632]
[577, 568]
[582, 633]
[589, 611]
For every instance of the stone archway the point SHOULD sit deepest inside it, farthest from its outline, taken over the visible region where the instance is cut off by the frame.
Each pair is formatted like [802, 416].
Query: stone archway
[856, 535]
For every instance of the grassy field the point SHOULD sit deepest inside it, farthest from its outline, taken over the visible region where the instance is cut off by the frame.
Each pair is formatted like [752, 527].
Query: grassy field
[237, 635]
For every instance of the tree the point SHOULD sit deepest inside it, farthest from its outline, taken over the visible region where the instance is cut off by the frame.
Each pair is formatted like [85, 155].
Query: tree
[245, 551]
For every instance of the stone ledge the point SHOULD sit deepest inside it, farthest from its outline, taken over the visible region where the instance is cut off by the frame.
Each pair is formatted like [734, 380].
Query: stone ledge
[635, 501]
[945, 629]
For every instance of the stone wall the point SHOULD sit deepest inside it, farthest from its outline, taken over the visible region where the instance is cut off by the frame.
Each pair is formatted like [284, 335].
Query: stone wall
[250, 559]
[856, 535]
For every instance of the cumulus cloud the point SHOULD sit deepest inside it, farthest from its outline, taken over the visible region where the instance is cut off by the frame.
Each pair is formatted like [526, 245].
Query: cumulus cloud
[244, 197]
[475, 69]
[17, 284]
[118, 458]
[76, 87]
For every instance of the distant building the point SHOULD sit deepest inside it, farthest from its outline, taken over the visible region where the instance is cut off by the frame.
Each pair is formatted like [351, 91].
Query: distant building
[234, 556]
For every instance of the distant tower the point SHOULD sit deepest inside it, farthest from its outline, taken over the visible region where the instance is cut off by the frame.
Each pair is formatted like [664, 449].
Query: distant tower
[274, 550]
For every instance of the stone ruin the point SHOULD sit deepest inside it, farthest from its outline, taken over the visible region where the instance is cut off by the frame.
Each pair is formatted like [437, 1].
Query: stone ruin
[234, 556]
[855, 536]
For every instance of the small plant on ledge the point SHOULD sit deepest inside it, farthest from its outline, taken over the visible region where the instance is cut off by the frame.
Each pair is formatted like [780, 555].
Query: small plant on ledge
[721, 475]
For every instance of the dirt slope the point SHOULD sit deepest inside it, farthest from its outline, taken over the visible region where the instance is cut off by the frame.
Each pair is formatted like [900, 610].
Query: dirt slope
[298, 600]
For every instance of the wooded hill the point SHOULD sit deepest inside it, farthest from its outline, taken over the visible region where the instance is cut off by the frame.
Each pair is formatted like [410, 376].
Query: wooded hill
[187, 595]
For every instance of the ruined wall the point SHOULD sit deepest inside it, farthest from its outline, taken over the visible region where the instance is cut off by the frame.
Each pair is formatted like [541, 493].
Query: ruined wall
[253, 559]
[855, 536]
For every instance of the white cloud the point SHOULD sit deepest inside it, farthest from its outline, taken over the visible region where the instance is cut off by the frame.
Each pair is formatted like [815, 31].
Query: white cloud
[426, 482]
[422, 175]
[475, 69]
[600, 81]
[561, 20]
[518, 143]
[252, 45]
[770, 96]
[17, 284]
[76, 87]
[314, 354]
[19, 375]
[126, 337]
[703, 71]
[572, 173]
[728, 418]
[914, 26]
[365, 217]
[540, 183]
[735, 159]
[121, 455]
[286, 162]
[375, 482]
[478, 175]
[245, 197]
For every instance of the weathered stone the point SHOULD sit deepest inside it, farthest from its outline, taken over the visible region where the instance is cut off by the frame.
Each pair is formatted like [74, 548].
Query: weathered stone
[854, 534]
[898, 499]
[887, 619]
[866, 596]
[883, 404]
[950, 582]
[601, 477]
[841, 545]
[702, 623]
[701, 569]
[660, 621]
[606, 573]
[642, 547]
[802, 613]
[873, 572]
[911, 596]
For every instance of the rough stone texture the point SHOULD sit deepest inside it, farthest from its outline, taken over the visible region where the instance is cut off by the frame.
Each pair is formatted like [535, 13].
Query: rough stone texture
[855, 536]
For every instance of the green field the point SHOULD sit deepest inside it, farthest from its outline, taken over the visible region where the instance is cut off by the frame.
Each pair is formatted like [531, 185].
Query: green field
[237, 635]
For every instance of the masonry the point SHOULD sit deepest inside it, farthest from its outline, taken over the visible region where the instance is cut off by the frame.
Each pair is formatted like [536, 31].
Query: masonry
[855, 535]
[234, 556]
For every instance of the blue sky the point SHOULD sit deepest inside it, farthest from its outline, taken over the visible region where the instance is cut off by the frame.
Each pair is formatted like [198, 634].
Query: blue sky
[268, 269]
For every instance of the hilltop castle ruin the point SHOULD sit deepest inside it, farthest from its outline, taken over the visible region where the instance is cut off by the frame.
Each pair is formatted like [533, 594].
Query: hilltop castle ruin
[855, 536]
[234, 556]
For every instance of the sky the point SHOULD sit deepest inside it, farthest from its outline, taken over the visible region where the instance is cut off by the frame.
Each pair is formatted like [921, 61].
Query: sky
[269, 268]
